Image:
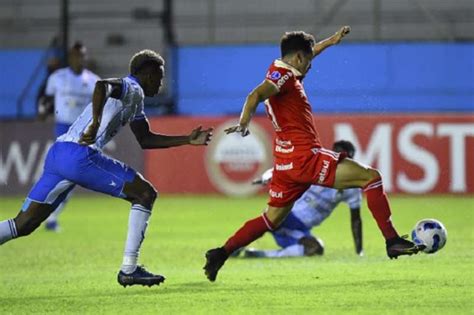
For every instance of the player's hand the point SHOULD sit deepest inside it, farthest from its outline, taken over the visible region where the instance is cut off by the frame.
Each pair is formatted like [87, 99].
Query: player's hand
[343, 31]
[244, 131]
[88, 137]
[200, 137]
[264, 179]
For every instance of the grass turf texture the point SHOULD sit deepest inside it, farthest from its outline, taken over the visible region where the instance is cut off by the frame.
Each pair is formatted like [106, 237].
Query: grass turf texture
[75, 271]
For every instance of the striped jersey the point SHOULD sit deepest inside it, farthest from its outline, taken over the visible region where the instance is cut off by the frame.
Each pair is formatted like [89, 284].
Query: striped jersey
[116, 114]
[318, 202]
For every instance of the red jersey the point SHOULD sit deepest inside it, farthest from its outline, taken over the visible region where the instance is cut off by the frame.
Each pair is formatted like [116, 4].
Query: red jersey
[290, 112]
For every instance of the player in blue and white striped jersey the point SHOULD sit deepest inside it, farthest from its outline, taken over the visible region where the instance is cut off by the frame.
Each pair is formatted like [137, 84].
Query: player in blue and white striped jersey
[310, 210]
[76, 159]
[68, 91]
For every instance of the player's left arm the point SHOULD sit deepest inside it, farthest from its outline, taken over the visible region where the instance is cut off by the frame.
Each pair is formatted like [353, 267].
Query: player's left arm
[332, 40]
[356, 225]
[151, 140]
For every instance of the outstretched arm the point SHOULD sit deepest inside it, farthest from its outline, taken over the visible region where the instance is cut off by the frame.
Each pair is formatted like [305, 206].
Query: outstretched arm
[259, 94]
[356, 225]
[103, 90]
[333, 40]
[150, 140]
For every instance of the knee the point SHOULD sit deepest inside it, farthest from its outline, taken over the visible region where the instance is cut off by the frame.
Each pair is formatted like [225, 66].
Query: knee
[148, 196]
[276, 216]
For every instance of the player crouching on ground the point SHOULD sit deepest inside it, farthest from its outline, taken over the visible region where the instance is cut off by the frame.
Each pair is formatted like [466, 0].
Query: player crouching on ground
[310, 210]
[76, 159]
[299, 158]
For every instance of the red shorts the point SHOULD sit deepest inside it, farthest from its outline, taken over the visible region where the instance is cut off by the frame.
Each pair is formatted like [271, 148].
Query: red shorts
[292, 176]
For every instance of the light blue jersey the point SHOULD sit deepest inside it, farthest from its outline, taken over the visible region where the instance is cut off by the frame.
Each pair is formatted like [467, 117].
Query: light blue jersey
[116, 114]
[311, 209]
[318, 202]
[69, 163]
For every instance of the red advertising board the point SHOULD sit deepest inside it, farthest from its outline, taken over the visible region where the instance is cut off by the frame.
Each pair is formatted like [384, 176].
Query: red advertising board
[416, 154]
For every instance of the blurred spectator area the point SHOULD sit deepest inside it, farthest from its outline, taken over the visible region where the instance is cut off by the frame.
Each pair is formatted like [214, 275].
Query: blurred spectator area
[114, 30]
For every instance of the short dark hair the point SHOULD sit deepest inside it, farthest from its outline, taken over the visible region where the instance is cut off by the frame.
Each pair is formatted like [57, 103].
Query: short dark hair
[344, 146]
[79, 47]
[292, 42]
[144, 59]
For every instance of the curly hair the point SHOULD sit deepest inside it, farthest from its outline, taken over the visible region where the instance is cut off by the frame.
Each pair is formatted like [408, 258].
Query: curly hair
[344, 146]
[144, 59]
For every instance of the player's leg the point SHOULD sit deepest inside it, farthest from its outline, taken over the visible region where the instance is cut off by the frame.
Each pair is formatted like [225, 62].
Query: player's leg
[250, 231]
[25, 222]
[295, 238]
[51, 223]
[350, 173]
[103, 174]
[142, 195]
[46, 194]
[283, 192]
[312, 247]
[286, 236]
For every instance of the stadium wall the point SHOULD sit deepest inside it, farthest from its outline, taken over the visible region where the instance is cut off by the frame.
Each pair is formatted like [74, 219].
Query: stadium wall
[355, 78]
[417, 153]
[214, 80]
[17, 68]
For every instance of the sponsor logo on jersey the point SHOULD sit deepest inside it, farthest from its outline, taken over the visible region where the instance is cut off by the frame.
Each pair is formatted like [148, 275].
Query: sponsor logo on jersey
[275, 194]
[284, 78]
[324, 172]
[275, 75]
[284, 167]
[283, 143]
[232, 162]
[284, 150]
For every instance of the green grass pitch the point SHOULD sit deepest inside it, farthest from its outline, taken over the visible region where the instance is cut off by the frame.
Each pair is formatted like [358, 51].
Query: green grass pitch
[75, 271]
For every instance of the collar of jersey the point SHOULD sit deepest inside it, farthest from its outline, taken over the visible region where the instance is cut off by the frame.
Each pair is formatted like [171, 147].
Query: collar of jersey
[131, 77]
[281, 64]
[74, 73]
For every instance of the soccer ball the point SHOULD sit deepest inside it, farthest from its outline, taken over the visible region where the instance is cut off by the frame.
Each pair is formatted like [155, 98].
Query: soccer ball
[431, 233]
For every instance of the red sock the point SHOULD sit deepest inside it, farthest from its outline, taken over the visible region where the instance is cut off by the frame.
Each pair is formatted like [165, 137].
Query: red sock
[378, 205]
[248, 233]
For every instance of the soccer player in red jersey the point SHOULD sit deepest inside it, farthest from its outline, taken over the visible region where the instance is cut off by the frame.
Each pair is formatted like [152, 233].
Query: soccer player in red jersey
[300, 160]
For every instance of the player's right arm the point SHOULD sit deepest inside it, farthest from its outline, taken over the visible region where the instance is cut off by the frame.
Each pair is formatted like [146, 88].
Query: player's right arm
[46, 100]
[262, 92]
[103, 89]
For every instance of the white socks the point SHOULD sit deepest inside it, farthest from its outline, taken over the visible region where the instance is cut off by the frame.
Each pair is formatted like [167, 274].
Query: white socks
[137, 224]
[7, 231]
